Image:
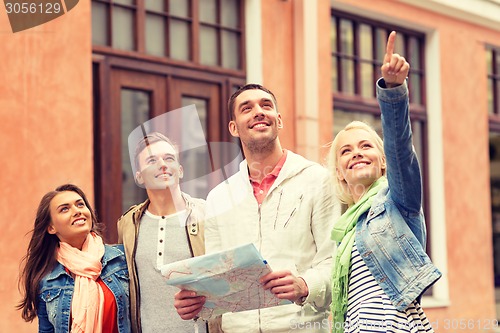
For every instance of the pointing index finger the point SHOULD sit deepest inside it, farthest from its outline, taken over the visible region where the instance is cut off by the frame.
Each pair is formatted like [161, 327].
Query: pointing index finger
[390, 47]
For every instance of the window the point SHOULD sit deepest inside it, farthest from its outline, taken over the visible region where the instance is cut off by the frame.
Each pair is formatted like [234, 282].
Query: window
[493, 65]
[151, 57]
[201, 32]
[493, 69]
[358, 48]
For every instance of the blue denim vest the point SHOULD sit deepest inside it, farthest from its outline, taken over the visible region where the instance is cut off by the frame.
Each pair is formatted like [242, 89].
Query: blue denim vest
[391, 236]
[56, 291]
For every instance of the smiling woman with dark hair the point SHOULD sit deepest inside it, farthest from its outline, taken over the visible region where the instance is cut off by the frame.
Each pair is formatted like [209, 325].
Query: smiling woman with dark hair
[71, 281]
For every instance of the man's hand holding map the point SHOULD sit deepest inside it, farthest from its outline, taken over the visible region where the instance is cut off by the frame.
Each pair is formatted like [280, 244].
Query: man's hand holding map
[229, 280]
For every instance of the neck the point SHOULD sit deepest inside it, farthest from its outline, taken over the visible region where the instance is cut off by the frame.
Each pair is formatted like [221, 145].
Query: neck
[262, 163]
[359, 189]
[165, 202]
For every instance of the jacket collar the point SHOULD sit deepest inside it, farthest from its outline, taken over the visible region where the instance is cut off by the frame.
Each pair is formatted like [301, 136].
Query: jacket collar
[294, 164]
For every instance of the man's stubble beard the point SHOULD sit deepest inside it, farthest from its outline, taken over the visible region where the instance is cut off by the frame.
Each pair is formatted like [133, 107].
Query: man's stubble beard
[262, 146]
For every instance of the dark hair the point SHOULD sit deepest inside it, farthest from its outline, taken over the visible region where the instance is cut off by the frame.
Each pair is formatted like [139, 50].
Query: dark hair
[40, 257]
[250, 86]
[148, 140]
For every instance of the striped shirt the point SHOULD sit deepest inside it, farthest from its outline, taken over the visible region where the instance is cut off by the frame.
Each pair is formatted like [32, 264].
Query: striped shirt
[370, 310]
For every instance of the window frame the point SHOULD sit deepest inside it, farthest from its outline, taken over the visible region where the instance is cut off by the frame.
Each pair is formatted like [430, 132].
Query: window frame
[494, 77]
[194, 62]
[359, 104]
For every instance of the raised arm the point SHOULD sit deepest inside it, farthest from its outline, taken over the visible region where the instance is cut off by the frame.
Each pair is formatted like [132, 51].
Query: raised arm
[403, 171]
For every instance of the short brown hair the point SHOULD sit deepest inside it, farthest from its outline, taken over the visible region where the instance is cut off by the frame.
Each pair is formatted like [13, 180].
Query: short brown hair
[148, 140]
[250, 86]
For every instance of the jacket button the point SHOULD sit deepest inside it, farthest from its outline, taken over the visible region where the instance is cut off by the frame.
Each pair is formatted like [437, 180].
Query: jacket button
[193, 225]
[193, 230]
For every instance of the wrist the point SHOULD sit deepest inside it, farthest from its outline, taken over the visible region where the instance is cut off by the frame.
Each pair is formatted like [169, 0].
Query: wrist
[304, 293]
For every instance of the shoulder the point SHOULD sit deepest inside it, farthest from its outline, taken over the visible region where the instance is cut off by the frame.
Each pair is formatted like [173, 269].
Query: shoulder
[58, 273]
[114, 248]
[114, 256]
[129, 213]
[298, 164]
[195, 202]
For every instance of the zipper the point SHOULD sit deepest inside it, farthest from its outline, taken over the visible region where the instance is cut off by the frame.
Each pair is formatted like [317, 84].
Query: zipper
[136, 280]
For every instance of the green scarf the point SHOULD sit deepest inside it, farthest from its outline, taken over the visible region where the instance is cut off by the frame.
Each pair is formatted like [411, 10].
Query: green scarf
[343, 232]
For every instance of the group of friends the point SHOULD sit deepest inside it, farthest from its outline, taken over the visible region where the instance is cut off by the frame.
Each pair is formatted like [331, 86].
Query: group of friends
[361, 270]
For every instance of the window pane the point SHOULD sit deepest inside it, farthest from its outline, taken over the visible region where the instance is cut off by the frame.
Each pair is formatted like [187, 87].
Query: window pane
[335, 85]
[230, 50]
[497, 63]
[123, 28]
[490, 96]
[380, 43]
[179, 7]
[208, 46]
[333, 34]
[365, 41]
[347, 68]
[179, 40]
[156, 5]
[230, 13]
[494, 146]
[399, 45]
[414, 53]
[134, 111]
[367, 84]
[341, 118]
[489, 60]
[125, 2]
[100, 32]
[195, 161]
[155, 35]
[418, 139]
[346, 37]
[497, 97]
[208, 11]
[415, 91]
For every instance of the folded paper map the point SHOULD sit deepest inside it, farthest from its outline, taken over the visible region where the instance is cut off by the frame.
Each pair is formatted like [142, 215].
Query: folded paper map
[228, 279]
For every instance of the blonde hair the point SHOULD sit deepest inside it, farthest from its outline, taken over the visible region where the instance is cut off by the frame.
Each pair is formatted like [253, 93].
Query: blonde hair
[341, 187]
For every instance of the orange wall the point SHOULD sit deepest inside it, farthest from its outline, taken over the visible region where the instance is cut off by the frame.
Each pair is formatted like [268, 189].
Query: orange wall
[45, 132]
[466, 161]
[278, 62]
[278, 47]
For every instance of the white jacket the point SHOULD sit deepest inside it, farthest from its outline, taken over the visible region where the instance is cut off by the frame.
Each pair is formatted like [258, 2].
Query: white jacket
[291, 229]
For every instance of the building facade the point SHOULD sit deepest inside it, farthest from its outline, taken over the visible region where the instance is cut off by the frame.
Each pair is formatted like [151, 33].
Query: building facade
[73, 89]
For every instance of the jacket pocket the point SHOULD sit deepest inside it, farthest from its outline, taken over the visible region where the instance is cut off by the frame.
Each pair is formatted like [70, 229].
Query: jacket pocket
[410, 251]
[287, 210]
[52, 298]
[124, 280]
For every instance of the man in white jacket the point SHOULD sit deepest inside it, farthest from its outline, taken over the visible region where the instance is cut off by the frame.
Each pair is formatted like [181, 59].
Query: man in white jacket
[283, 204]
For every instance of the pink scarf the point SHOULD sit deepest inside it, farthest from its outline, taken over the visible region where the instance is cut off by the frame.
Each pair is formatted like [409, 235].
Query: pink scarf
[88, 298]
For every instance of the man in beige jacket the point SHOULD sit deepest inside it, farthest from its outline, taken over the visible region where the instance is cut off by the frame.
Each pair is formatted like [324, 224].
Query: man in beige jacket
[167, 227]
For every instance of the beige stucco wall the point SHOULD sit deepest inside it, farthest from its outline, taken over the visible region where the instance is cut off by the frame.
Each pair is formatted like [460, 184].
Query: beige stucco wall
[45, 132]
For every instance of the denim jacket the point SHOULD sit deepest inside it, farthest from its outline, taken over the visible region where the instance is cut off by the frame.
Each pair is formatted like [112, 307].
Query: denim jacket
[56, 291]
[391, 236]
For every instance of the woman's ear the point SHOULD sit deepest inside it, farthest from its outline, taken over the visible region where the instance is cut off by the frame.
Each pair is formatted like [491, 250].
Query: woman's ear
[340, 175]
[51, 230]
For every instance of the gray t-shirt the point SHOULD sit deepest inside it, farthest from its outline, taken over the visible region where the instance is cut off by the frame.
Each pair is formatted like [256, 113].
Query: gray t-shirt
[162, 240]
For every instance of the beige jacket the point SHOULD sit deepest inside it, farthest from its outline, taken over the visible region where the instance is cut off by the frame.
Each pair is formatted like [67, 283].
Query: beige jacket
[128, 229]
